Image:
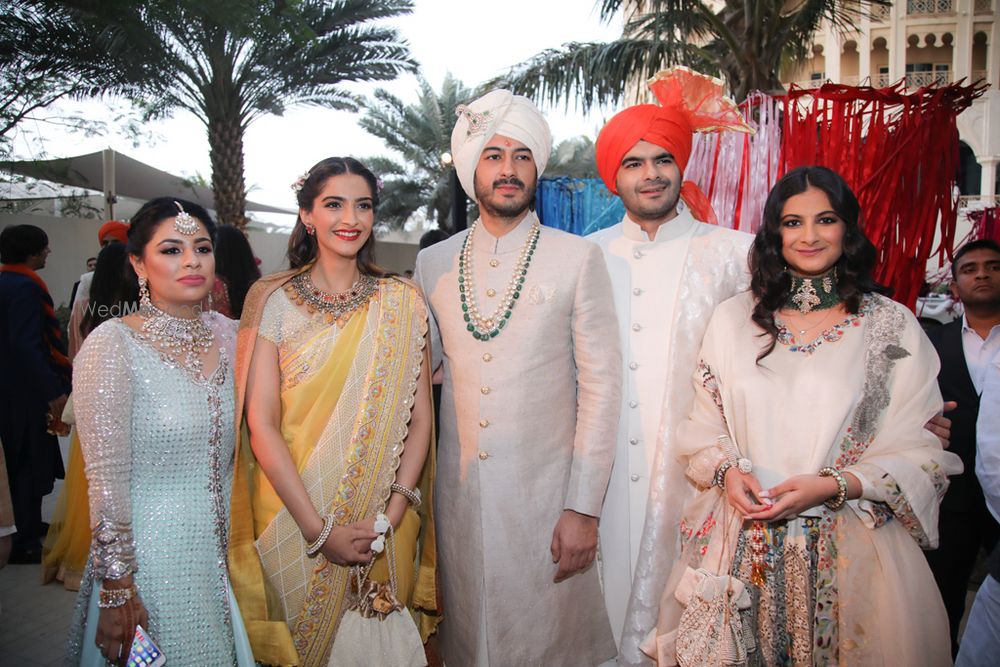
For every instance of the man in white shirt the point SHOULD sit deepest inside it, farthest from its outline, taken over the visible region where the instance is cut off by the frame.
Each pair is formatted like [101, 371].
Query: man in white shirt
[668, 271]
[967, 348]
[981, 641]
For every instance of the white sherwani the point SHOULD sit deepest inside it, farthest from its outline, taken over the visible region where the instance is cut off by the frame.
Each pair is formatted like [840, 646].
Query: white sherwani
[527, 430]
[665, 291]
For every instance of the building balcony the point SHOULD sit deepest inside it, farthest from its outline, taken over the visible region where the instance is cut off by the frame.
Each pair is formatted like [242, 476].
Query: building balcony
[978, 201]
[809, 83]
[922, 79]
[983, 6]
[930, 7]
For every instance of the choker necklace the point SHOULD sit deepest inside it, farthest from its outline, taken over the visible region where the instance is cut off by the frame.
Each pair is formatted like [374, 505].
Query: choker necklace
[335, 305]
[185, 341]
[805, 298]
[485, 328]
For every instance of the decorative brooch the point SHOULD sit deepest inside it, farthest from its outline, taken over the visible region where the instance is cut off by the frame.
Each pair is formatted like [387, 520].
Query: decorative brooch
[478, 121]
[185, 223]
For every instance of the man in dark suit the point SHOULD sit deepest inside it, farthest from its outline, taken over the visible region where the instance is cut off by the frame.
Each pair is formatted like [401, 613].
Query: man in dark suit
[34, 383]
[966, 347]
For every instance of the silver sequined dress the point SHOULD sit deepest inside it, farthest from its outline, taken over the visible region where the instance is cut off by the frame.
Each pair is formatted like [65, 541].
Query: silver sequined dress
[158, 445]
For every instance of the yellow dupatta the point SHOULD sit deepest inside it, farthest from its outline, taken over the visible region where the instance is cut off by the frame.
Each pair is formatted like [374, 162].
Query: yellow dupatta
[383, 349]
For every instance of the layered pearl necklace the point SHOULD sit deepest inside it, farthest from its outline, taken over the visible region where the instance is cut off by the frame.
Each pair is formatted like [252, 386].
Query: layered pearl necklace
[485, 328]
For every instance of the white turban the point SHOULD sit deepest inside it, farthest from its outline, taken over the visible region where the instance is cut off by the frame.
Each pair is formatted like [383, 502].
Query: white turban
[497, 112]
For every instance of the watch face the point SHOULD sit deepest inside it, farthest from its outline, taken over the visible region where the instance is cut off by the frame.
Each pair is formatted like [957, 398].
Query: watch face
[745, 466]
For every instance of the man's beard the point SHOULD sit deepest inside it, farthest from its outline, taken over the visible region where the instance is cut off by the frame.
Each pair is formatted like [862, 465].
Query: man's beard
[505, 208]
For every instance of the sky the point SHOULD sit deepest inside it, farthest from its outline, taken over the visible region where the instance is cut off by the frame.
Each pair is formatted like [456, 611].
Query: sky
[473, 39]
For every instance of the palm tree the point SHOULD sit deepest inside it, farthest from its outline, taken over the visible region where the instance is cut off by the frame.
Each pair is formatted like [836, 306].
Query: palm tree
[31, 82]
[230, 62]
[573, 158]
[420, 134]
[744, 41]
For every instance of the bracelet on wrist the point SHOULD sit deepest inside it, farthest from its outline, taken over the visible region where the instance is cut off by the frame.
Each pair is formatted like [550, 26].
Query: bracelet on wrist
[312, 548]
[112, 598]
[412, 495]
[719, 479]
[837, 501]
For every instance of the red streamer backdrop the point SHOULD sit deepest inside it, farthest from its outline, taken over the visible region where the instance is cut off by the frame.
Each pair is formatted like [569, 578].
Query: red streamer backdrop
[899, 153]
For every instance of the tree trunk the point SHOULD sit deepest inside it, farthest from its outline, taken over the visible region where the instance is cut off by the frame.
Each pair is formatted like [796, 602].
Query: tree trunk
[225, 141]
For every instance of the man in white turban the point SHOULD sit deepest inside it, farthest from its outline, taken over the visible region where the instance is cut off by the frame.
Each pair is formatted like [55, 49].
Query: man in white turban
[523, 323]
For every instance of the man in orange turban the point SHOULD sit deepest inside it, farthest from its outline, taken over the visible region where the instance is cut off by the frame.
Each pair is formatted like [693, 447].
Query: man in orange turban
[669, 269]
[111, 231]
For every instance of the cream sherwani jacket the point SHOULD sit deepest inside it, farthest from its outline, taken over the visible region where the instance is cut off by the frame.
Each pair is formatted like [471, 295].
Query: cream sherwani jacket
[527, 430]
[665, 291]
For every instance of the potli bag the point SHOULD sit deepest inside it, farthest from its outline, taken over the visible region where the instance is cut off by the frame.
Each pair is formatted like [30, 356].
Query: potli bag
[377, 629]
[714, 628]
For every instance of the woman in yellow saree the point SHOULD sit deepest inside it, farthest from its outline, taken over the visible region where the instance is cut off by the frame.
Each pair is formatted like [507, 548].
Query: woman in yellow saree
[332, 376]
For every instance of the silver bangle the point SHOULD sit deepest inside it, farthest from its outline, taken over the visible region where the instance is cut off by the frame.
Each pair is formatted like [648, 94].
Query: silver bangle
[412, 495]
[312, 548]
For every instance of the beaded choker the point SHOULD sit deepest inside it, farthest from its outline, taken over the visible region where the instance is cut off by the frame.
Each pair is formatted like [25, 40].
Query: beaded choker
[185, 341]
[485, 328]
[805, 298]
[337, 305]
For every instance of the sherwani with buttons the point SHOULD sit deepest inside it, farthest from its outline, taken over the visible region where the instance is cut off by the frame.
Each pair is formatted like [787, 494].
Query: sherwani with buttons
[665, 291]
[528, 423]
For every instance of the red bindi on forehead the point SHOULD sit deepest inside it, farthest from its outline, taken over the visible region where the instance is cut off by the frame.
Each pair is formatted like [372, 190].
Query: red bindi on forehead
[507, 142]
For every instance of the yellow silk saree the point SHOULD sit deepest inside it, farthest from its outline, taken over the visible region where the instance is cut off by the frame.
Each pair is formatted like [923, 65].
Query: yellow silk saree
[346, 396]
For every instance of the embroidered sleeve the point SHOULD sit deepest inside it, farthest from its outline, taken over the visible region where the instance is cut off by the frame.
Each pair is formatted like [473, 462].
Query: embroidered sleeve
[708, 419]
[272, 319]
[102, 396]
[883, 499]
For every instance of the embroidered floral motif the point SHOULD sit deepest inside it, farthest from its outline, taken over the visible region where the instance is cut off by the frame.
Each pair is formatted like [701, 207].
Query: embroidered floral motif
[786, 608]
[882, 350]
[710, 384]
[902, 509]
[698, 541]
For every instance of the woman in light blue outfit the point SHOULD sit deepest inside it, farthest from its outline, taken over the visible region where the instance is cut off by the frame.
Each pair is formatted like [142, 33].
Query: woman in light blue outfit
[153, 393]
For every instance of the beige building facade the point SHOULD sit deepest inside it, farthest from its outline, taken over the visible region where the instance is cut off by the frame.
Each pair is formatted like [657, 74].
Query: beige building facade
[923, 41]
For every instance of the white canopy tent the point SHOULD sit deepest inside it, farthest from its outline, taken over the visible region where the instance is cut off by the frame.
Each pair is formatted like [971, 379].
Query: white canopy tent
[115, 174]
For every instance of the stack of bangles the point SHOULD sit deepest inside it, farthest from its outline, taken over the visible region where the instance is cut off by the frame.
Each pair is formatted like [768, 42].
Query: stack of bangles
[412, 495]
[312, 548]
[112, 598]
[837, 501]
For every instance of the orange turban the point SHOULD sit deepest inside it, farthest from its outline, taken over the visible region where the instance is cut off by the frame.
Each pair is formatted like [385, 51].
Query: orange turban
[689, 102]
[113, 229]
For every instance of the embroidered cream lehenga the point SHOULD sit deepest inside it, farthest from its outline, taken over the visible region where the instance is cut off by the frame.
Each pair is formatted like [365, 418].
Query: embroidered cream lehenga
[347, 386]
[846, 587]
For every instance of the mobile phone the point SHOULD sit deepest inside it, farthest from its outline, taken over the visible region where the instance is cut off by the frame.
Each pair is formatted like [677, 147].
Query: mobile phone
[145, 652]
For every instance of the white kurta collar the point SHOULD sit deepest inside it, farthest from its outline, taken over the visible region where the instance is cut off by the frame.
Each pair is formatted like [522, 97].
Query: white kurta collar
[512, 241]
[668, 231]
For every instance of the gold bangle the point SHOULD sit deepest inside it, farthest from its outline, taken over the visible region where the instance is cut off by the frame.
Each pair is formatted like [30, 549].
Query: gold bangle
[836, 502]
[112, 598]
